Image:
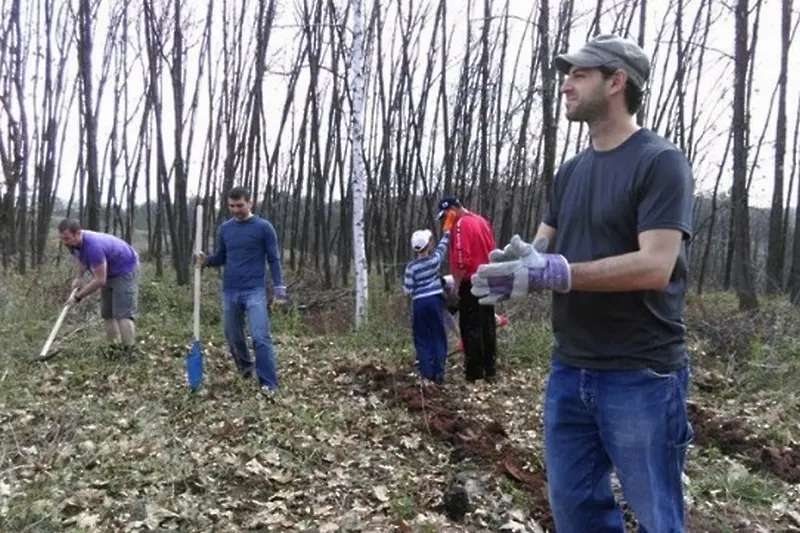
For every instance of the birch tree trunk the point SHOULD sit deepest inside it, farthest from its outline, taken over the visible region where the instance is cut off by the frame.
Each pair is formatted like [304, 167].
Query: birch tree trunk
[357, 164]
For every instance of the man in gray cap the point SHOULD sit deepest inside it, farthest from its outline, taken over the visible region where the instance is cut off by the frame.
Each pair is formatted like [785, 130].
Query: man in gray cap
[611, 247]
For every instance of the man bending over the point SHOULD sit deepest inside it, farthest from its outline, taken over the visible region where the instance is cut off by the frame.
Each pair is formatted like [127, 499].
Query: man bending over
[114, 268]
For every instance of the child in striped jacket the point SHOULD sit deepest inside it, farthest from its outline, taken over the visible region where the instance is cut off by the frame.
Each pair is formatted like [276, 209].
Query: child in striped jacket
[422, 283]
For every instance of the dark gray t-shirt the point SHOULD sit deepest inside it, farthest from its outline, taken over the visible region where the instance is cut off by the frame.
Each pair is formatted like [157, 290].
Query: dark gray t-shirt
[599, 203]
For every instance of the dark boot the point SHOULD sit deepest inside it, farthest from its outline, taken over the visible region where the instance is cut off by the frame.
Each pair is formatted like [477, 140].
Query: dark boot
[112, 352]
[129, 354]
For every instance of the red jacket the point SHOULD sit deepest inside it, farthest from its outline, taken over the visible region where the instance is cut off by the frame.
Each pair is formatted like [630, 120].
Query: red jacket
[471, 241]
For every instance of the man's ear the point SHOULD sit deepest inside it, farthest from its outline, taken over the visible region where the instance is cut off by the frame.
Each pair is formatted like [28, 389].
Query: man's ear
[619, 80]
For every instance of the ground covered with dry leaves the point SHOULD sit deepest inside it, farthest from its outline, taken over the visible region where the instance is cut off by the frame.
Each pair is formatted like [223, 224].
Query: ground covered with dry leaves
[354, 443]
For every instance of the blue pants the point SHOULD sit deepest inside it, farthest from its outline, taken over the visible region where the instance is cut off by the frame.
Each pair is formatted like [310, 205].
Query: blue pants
[633, 421]
[251, 303]
[430, 339]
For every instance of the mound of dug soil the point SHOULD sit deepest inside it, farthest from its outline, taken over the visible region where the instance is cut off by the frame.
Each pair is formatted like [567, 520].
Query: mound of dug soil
[487, 443]
[483, 442]
[732, 437]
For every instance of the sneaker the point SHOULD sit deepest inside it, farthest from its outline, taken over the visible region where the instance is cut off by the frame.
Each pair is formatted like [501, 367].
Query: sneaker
[246, 368]
[269, 394]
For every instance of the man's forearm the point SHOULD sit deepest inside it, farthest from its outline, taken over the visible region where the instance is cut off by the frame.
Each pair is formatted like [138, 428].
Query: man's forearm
[218, 258]
[636, 271]
[90, 287]
[214, 260]
[544, 239]
[274, 263]
[541, 243]
[277, 277]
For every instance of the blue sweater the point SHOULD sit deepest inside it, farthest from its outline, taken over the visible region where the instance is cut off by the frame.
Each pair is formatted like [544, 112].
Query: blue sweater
[242, 247]
[422, 274]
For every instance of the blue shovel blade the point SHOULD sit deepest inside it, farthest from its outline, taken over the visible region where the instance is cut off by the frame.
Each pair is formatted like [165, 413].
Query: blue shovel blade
[194, 366]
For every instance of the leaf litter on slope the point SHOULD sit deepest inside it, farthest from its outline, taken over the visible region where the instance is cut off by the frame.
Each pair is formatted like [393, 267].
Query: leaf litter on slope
[129, 447]
[99, 445]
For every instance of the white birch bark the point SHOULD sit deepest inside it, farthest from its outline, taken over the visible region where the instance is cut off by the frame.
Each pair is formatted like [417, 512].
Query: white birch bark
[357, 173]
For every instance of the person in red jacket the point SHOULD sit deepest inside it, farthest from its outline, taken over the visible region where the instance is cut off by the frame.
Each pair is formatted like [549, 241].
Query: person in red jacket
[471, 241]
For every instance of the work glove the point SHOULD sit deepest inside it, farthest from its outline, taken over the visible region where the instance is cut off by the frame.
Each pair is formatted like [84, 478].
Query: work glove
[280, 294]
[513, 249]
[518, 270]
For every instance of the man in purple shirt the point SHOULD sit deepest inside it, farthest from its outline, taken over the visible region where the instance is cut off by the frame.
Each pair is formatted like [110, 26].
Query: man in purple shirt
[114, 266]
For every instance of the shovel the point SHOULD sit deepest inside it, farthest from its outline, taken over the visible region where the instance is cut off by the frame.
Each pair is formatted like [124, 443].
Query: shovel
[194, 360]
[43, 355]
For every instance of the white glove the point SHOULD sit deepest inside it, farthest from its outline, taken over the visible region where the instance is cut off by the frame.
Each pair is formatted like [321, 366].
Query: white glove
[509, 253]
[518, 270]
[516, 248]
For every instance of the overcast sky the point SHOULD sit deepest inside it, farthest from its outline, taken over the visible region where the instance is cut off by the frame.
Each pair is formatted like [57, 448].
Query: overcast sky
[715, 93]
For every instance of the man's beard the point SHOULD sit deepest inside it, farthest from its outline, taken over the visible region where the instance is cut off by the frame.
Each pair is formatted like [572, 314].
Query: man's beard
[589, 110]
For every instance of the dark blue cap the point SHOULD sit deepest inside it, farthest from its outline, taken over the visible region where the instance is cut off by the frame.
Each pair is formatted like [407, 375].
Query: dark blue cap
[446, 203]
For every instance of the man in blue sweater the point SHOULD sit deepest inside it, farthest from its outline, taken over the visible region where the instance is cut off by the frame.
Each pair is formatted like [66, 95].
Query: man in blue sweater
[244, 241]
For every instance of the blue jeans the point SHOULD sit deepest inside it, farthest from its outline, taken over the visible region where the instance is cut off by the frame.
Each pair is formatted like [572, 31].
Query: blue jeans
[252, 303]
[635, 422]
[430, 339]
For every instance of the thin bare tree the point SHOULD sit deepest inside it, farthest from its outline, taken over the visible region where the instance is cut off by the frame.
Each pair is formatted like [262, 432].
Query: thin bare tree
[777, 238]
[742, 265]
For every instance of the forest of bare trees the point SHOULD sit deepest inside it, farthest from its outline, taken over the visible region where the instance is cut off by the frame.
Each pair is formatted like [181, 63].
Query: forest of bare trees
[125, 114]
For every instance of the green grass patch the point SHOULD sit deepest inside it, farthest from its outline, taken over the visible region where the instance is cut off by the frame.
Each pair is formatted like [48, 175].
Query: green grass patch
[730, 482]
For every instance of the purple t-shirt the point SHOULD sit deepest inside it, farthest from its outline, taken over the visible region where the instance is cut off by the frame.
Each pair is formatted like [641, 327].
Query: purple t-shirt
[120, 257]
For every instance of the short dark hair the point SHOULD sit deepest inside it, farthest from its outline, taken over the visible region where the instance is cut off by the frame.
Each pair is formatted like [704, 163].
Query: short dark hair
[69, 224]
[634, 96]
[239, 192]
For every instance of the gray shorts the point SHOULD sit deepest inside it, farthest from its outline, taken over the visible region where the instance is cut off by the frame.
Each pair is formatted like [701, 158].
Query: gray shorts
[119, 298]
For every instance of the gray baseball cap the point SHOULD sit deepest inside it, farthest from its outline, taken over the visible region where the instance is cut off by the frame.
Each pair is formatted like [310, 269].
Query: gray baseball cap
[609, 50]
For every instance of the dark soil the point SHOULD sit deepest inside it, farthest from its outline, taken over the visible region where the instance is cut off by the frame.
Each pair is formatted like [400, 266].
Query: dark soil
[486, 443]
[481, 442]
[732, 437]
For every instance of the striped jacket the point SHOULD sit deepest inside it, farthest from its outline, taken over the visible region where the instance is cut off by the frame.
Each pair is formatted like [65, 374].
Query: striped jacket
[422, 274]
